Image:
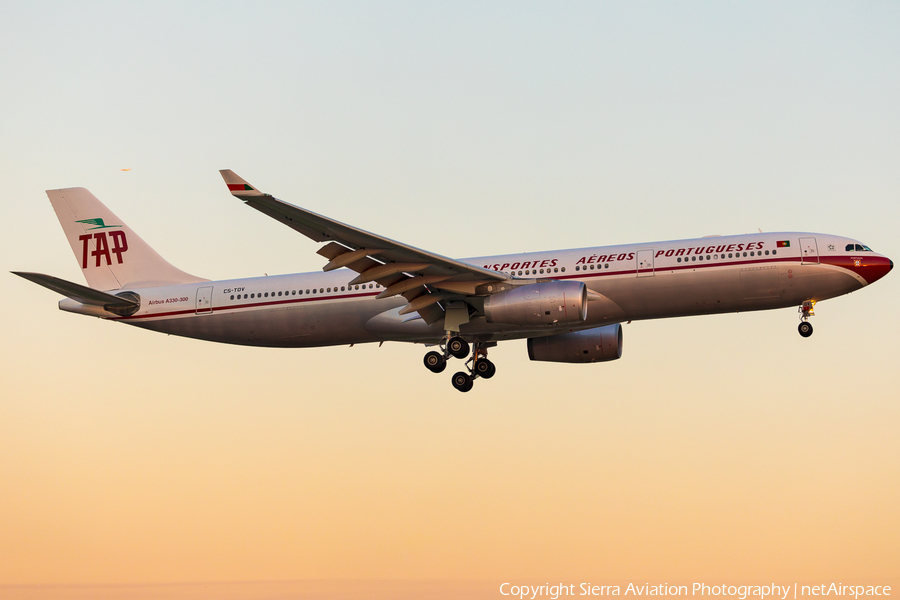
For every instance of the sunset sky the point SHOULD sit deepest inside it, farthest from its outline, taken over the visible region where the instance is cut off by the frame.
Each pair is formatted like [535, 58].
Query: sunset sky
[721, 447]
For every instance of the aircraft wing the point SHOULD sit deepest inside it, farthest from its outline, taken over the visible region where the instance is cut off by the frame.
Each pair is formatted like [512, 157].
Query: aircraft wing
[423, 278]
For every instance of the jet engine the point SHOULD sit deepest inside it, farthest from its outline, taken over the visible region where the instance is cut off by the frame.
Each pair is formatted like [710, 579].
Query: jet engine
[591, 345]
[548, 303]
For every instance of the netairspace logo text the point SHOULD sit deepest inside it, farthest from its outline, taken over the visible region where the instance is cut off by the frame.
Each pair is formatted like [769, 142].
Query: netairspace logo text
[741, 592]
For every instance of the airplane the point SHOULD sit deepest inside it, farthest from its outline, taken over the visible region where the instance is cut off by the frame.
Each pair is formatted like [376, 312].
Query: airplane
[568, 304]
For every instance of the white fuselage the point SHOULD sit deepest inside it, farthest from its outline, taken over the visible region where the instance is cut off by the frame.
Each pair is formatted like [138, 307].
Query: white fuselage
[628, 282]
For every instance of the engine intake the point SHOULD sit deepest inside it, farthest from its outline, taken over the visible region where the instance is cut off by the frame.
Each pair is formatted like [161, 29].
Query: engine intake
[548, 303]
[591, 345]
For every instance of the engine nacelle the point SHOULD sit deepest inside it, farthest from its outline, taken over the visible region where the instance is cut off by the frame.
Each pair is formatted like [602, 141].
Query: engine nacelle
[545, 303]
[591, 345]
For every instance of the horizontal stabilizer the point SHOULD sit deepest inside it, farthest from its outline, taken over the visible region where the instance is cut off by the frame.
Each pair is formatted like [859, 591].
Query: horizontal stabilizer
[81, 293]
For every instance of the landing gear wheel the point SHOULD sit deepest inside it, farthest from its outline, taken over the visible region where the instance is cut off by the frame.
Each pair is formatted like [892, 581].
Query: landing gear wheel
[435, 362]
[458, 347]
[805, 329]
[462, 381]
[484, 368]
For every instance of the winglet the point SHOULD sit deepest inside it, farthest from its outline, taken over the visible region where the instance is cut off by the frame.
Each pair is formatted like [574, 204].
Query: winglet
[237, 186]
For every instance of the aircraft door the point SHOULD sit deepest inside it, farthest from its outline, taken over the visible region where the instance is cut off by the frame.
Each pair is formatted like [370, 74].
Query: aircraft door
[809, 251]
[645, 263]
[204, 300]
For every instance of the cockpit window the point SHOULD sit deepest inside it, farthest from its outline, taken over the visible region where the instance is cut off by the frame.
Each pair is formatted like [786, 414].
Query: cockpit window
[857, 248]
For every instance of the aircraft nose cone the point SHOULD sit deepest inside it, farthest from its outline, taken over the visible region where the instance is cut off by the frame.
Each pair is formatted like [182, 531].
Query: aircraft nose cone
[878, 268]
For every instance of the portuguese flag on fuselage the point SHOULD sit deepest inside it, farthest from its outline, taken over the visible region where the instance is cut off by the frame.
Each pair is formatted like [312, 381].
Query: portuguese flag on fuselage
[783, 244]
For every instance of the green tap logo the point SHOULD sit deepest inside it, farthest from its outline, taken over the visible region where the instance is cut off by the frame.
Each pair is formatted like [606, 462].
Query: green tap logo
[98, 222]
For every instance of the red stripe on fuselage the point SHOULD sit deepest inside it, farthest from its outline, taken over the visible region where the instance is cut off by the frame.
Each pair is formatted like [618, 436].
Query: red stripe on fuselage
[699, 265]
[871, 269]
[193, 310]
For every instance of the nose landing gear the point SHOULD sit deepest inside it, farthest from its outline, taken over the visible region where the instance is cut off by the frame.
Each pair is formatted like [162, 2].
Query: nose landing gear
[806, 311]
[477, 366]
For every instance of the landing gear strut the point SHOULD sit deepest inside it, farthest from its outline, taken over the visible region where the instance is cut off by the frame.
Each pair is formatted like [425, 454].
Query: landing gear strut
[806, 311]
[477, 366]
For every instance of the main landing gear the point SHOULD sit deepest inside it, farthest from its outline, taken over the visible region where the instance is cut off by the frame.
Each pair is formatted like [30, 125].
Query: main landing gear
[477, 366]
[806, 311]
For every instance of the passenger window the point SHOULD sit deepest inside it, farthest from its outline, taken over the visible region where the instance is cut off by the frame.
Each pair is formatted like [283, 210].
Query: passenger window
[694, 259]
[563, 269]
[767, 252]
[774, 251]
[232, 296]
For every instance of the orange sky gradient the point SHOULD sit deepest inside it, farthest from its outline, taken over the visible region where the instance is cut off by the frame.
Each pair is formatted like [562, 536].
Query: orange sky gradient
[720, 448]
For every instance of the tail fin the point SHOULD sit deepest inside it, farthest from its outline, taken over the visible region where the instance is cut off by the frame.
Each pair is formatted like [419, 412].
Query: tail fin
[110, 254]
